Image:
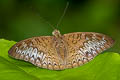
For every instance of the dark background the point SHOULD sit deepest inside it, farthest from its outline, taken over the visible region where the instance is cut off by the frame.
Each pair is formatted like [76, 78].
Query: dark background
[21, 19]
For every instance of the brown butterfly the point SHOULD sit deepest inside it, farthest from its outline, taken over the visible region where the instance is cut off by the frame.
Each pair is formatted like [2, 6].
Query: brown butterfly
[60, 52]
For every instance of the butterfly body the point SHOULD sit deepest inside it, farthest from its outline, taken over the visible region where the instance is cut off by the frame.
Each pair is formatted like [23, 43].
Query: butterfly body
[60, 52]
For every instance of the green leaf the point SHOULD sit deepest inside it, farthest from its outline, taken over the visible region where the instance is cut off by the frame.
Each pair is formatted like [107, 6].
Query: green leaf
[105, 66]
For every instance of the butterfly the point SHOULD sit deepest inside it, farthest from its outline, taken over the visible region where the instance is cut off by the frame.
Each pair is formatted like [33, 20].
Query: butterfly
[60, 52]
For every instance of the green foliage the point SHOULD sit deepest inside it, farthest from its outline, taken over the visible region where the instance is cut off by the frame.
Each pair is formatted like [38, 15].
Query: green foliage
[105, 66]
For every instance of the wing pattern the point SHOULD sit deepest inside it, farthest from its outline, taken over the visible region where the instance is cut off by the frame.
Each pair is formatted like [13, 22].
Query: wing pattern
[84, 46]
[38, 51]
[80, 48]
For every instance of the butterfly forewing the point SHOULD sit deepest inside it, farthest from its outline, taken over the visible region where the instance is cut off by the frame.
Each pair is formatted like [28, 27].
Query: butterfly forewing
[39, 51]
[84, 46]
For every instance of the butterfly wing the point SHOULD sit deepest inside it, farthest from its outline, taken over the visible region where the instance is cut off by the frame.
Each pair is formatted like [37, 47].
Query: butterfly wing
[39, 51]
[84, 46]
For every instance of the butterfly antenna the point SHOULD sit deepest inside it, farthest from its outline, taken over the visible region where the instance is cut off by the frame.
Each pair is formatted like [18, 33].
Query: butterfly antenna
[62, 14]
[48, 23]
[42, 18]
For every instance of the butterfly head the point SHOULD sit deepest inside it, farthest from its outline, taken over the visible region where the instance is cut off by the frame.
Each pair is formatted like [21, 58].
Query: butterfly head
[56, 33]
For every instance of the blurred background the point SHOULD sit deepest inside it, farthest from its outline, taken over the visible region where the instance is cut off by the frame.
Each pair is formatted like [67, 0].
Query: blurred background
[21, 19]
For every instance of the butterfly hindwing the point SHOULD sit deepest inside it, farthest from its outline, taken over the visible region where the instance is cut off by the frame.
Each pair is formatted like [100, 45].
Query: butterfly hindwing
[84, 46]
